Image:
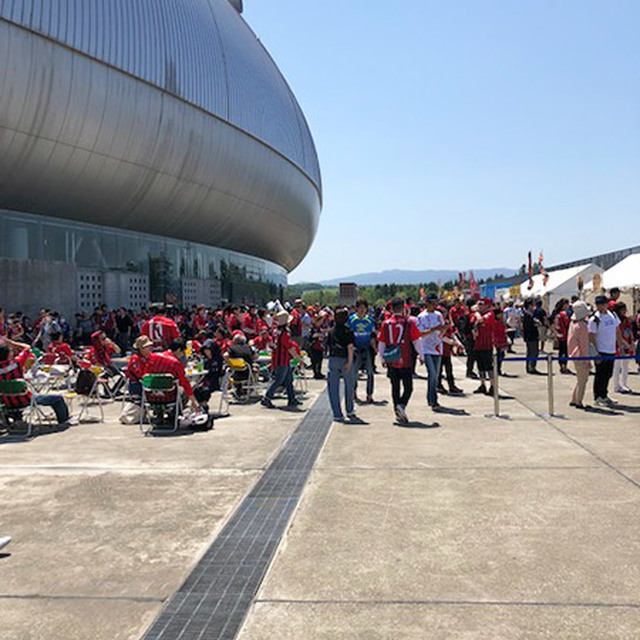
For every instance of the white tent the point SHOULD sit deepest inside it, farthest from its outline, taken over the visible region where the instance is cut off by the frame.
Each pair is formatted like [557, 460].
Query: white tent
[560, 284]
[624, 275]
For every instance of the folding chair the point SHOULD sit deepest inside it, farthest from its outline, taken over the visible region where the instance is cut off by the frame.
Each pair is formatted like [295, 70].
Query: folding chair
[161, 404]
[87, 390]
[242, 379]
[25, 412]
[224, 392]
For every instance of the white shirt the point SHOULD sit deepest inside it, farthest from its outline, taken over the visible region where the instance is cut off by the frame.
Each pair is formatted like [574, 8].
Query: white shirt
[431, 343]
[604, 325]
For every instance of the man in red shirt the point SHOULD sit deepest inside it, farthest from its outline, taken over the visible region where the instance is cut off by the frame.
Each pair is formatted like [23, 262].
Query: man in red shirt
[161, 330]
[170, 362]
[13, 369]
[402, 331]
[284, 349]
[59, 352]
[483, 333]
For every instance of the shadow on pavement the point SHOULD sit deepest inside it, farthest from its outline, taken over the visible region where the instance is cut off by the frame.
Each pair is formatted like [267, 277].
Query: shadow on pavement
[451, 411]
[415, 424]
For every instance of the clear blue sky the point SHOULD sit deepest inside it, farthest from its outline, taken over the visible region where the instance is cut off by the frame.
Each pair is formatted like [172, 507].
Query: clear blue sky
[462, 133]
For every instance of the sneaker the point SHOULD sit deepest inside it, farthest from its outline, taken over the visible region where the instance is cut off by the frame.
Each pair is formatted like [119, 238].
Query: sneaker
[610, 402]
[352, 416]
[600, 402]
[294, 403]
[623, 390]
[338, 418]
[266, 402]
[401, 414]
[442, 390]
[455, 389]
[4, 541]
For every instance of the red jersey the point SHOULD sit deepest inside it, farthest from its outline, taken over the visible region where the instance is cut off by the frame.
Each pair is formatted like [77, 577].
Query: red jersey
[61, 353]
[162, 331]
[500, 340]
[11, 370]
[455, 313]
[399, 330]
[561, 324]
[281, 357]
[166, 362]
[447, 334]
[200, 322]
[483, 331]
[136, 367]
[250, 324]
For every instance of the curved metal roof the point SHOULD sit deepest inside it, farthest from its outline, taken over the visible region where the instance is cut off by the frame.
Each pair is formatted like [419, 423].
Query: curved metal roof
[164, 116]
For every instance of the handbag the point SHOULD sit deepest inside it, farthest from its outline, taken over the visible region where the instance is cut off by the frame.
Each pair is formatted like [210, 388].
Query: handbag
[392, 354]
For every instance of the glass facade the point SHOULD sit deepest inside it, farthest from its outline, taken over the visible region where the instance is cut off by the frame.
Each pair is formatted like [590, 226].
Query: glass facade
[165, 260]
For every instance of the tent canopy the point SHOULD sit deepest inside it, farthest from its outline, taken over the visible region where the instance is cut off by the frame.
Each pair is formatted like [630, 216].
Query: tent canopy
[560, 284]
[625, 274]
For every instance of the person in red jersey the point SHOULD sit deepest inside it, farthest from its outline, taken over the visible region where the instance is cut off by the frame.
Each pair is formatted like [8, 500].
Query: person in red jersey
[13, 368]
[401, 331]
[161, 330]
[561, 322]
[251, 322]
[59, 352]
[137, 365]
[500, 339]
[200, 319]
[284, 350]
[483, 320]
[170, 361]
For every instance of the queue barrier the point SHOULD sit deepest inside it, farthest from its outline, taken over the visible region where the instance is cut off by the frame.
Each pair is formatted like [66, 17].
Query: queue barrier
[550, 359]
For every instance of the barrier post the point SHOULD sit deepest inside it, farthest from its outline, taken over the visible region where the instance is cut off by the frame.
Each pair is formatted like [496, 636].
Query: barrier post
[496, 390]
[550, 383]
[494, 386]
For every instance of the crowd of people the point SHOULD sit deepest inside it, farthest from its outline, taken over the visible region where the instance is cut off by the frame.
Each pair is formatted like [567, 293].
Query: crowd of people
[353, 341]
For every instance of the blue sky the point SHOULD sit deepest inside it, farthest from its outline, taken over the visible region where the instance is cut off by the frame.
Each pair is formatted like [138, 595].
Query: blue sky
[462, 133]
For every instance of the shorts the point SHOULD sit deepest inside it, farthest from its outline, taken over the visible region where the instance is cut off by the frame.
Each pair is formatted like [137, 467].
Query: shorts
[484, 360]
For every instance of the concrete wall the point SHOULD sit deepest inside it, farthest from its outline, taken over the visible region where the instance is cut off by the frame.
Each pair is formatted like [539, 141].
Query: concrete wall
[28, 285]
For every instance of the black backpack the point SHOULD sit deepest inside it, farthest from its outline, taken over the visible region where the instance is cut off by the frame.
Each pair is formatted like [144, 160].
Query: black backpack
[85, 381]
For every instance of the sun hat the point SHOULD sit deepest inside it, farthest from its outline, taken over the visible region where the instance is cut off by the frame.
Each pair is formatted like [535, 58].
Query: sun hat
[580, 310]
[282, 318]
[142, 342]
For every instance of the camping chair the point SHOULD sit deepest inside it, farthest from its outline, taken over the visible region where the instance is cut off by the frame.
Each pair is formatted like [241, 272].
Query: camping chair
[225, 392]
[26, 413]
[161, 405]
[242, 379]
[87, 390]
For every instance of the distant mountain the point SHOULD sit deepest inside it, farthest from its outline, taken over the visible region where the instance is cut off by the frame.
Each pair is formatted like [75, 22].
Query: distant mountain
[404, 276]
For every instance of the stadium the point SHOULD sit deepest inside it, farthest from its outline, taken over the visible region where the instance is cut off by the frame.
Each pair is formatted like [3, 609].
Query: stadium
[150, 150]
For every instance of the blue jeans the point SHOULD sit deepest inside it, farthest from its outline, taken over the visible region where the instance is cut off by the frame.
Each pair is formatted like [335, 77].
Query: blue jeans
[282, 377]
[363, 357]
[433, 370]
[333, 385]
[57, 403]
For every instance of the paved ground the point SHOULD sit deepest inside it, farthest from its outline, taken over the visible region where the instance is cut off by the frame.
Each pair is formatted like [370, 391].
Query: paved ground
[460, 526]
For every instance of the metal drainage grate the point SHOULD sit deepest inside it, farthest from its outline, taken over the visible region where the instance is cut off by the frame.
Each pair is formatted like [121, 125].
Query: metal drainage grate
[215, 598]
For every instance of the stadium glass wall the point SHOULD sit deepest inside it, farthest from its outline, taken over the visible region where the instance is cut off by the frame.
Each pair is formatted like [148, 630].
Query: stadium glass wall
[154, 121]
